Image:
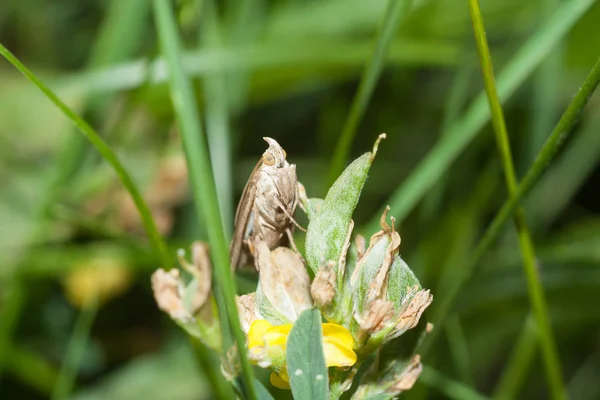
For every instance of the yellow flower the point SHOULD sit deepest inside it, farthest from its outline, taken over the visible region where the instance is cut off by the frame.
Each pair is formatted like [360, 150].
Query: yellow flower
[267, 348]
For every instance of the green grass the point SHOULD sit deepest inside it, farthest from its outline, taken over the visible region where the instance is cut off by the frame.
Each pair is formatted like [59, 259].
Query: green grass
[146, 81]
[536, 290]
[202, 180]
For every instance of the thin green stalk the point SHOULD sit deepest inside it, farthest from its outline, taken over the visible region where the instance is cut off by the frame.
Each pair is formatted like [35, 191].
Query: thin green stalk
[464, 130]
[100, 145]
[203, 185]
[13, 303]
[459, 349]
[117, 40]
[393, 13]
[210, 367]
[566, 176]
[31, 368]
[535, 288]
[545, 92]
[553, 144]
[75, 350]
[584, 384]
[450, 388]
[519, 362]
[218, 130]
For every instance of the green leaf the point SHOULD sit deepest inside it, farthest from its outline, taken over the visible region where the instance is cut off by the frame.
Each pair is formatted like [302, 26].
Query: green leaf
[267, 310]
[305, 358]
[400, 279]
[327, 230]
[261, 392]
[313, 205]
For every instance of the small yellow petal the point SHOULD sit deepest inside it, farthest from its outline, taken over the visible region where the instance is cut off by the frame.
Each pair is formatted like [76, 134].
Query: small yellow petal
[257, 332]
[277, 335]
[337, 334]
[338, 356]
[337, 346]
[279, 381]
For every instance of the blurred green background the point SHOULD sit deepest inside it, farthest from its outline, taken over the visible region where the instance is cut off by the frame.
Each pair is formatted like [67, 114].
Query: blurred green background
[289, 69]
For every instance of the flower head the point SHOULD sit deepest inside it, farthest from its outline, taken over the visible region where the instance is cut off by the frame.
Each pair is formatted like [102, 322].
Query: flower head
[191, 305]
[387, 297]
[267, 345]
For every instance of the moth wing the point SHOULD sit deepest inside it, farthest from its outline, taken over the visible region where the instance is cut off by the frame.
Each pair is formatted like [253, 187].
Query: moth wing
[242, 216]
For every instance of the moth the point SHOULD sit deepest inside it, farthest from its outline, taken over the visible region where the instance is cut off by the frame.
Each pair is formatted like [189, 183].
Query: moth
[266, 208]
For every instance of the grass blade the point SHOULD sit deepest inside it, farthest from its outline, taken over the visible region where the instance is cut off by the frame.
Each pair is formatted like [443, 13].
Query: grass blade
[450, 388]
[534, 285]
[100, 145]
[202, 182]
[459, 349]
[464, 130]
[13, 301]
[553, 144]
[218, 130]
[515, 371]
[393, 12]
[545, 93]
[75, 350]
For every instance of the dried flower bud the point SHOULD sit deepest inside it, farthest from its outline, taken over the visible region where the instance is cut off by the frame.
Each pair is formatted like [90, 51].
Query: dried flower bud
[246, 306]
[387, 297]
[201, 270]
[323, 287]
[230, 364]
[396, 378]
[167, 288]
[190, 305]
[407, 378]
[284, 285]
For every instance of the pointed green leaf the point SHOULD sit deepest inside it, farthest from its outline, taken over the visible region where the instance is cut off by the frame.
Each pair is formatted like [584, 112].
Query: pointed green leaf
[327, 229]
[261, 391]
[305, 358]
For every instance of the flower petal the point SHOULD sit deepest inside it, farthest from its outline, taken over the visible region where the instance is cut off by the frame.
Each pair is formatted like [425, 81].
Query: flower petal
[257, 332]
[337, 334]
[277, 335]
[337, 346]
[338, 356]
[279, 381]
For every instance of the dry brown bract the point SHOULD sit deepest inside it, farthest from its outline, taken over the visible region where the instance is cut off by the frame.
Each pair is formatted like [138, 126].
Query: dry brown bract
[409, 376]
[323, 286]
[284, 280]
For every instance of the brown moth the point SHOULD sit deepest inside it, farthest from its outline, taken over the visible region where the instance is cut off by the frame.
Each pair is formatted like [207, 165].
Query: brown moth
[266, 208]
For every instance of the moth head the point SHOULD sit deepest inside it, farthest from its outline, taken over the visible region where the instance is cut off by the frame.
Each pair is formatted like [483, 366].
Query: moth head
[275, 155]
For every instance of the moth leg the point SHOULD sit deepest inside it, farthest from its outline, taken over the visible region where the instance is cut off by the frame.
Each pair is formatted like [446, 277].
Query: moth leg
[290, 236]
[287, 214]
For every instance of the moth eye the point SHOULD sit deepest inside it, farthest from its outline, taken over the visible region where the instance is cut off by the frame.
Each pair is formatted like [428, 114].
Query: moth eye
[268, 159]
[284, 153]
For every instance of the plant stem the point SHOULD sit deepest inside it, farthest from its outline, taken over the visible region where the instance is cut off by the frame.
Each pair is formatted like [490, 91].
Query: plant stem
[551, 146]
[450, 388]
[106, 152]
[76, 348]
[535, 288]
[519, 362]
[391, 18]
[437, 161]
[201, 177]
